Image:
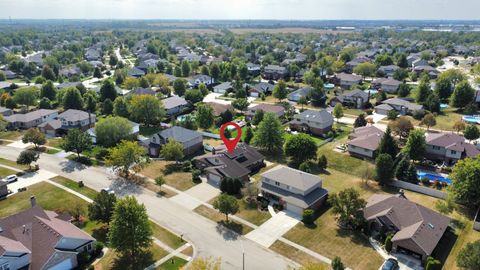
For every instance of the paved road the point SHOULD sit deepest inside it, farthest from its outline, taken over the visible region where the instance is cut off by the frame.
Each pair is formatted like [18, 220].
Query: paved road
[208, 238]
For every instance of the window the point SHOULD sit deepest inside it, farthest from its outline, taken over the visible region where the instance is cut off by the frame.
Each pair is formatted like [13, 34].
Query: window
[5, 267]
[453, 152]
[89, 247]
[277, 184]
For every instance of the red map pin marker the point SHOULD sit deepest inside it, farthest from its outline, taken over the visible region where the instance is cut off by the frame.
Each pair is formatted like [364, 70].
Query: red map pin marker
[230, 143]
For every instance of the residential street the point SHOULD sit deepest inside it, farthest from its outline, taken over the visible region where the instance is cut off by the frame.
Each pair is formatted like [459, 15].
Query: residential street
[209, 240]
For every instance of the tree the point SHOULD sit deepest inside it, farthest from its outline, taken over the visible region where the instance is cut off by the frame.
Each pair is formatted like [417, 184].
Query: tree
[2, 77]
[111, 130]
[76, 141]
[48, 73]
[308, 216]
[411, 175]
[179, 86]
[360, 121]
[204, 116]
[322, 162]
[401, 126]
[388, 243]
[26, 157]
[113, 60]
[429, 121]
[125, 155]
[302, 101]
[107, 107]
[462, 95]
[459, 126]
[26, 96]
[471, 132]
[269, 134]
[97, 73]
[432, 103]
[102, 207]
[226, 204]
[231, 185]
[317, 94]
[159, 181]
[433, 264]
[465, 185]
[347, 205]
[44, 104]
[388, 145]
[384, 169]
[48, 90]
[215, 71]
[392, 115]
[240, 104]
[337, 264]
[402, 168]
[403, 90]
[415, 146]
[120, 107]
[258, 117]
[90, 101]
[338, 111]
[203, 89]
[365, 69]
[423, 91]
[72, 99]
[185, 69]
[468, 257]
[280, 90]
[172, 150]
[248, 135]
[300, 148]
[108, 90]
[146, 109]
[130, 230]
[443, 88]
[193, 96]
[35, 136]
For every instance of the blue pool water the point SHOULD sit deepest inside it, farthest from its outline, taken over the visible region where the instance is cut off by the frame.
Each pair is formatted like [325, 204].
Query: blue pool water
[443, 106]
[474, 119]
[371, 91]
[328, 86]
[432, 177]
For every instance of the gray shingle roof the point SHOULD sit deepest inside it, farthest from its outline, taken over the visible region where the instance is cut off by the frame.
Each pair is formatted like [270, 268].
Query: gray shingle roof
[315, 116]
[179, 134]
[173, 102]
[291, 177]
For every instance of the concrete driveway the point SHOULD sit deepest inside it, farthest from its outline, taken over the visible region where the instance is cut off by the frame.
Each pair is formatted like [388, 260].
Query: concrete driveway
[20, 144]
[274, 228]
[203, 192]
[30, 179]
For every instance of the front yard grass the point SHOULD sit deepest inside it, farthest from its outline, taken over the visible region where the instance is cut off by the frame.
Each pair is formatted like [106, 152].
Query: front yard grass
[178, 263]
[111, 261]
[219, 218]
[166, 236]
[55, 142]
[52, 151]
[10, 135]
[13, 164]
[6, 172]
[179, 180]
[90, 193]
[295, 254]
[254, 215]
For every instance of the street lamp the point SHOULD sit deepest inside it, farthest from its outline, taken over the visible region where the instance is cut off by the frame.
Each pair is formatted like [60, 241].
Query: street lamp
[243, 255]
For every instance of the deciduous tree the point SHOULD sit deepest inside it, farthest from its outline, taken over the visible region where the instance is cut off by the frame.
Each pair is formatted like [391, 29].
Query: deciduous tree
[102, 207]
[146, 109]
[269, 134]
[172, 150]
[35, 136]
[300, 148]
[125, 155]
[76, 141]
[415, 146]
[226, 205]
[347, 205]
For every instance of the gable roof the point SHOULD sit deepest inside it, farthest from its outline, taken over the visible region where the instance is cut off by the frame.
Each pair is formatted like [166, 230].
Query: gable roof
[179, 134]
[348, 77]
[174, 101]
[142, 91]
[219, 108]
[266, 108]
[297, 94]
[404, 103]
[27, 117]
[414, 222]
[74, 115]
[294, 178]
[315, 116]
[452, 141]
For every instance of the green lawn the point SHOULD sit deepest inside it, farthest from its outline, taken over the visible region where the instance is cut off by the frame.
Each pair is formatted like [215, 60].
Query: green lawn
[179, 180]
[168, 265]
[52, 151]
[166, 236]
[90, 193]
[219, 218]
[6, 172]
[13, 164]
[55, 142]
[10, 135]
[111, 261]
[254, 216]
[148, 131]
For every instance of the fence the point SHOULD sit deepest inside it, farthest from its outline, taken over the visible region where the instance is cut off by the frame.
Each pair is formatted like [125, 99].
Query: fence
[210, 135]
[420, 189]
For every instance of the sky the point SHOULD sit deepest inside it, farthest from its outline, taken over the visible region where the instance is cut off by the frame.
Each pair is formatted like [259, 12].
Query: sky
[241, 9]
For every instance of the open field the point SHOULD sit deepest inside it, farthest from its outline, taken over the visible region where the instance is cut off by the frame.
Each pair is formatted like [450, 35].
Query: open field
[295, 30]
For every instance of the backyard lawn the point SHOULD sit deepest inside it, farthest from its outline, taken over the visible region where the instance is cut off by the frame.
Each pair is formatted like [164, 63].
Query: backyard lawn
[179, 180]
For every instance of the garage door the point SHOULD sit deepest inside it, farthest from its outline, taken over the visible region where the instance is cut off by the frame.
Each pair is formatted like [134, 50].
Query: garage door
[65, 265]
[214, 179]
[294, 209]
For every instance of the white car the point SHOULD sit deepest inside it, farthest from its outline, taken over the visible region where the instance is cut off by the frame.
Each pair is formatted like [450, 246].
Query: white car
[11, 178]
[108, 190]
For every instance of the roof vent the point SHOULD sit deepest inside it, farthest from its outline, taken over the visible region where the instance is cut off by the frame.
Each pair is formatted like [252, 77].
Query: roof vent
[431, 226]
[1, 230]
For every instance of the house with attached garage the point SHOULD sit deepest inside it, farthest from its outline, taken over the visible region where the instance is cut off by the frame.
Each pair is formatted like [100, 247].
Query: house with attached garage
[363, 142]
[135, 72]
[279, 111]
[260, 88]
[31, 119]
[5, 111]
[174, 105]
[253, 69]
[389, 70]
[67, 120]
[448, 147]
[134, 131]
[346, 81]
[191, 141]
[388, 85]
[400, 105]
[244, 161]
[274, 72]
[223, 87]
[296, 95]
[196, 80]
[416, 230]
[355, 99]
[219, 108]
[314, 122]
[293, 189]
[38, 239]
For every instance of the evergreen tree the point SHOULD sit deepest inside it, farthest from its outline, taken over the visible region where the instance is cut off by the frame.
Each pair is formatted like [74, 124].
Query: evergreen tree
[411, 175]
[108, 91]
[423, 91]
[48, 90]
[388, 145]
[269, 134]
[72, 99]
[402, 168]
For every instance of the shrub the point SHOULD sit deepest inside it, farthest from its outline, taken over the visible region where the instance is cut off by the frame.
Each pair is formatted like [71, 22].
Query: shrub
[388, 243]
[196, 176]
[432, 264]
[187, 166]
[392, 115]
[425, 181]
[369, 111]
[305, 167]
[307, 216]
[81, 184]
[231, 185]
[418, 114]
[99, 248]
[100, 152]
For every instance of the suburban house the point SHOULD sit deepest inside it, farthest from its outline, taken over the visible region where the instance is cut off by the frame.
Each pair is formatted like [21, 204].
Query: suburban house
[364, 141]
[448, 147]
[432, 72]
[279, 111]
[10, 75]
[191, 141]
[388, 71]
[219, 164]
[260, 88]
[294, 189]
[219, 108]
[31, 119]
[142, 91]
[355, 99]
[419, 62]
[135, 72]
[223, 87]
[196, 80]
[3, 189]
[70, 71]
[296, 95]
[388, 85]
[400, 105]
[253, 69]
[134, 131]
[274, 72]
[310, 121]
[174, 105]
[350, 65]
[67, 120]
[41, 239]
[346, 81]
[5, 111]
[93, 55]
[417, 229]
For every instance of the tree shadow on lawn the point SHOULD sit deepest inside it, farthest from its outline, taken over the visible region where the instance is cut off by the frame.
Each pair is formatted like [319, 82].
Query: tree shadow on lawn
[144, 260]
[355, 236]
[322, 210]
[101, 233]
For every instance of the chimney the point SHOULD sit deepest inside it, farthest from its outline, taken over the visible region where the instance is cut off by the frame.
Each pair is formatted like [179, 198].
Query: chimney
[213, 151]
[24, 229]
[33, 201]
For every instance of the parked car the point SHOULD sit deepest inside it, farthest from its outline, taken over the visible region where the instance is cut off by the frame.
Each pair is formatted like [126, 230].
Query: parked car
[11, 178]
[108, 190]
[390, 264]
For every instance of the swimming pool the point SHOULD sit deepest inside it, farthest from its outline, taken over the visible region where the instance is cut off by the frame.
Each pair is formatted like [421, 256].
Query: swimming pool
[371, 91]
[328, 86]
[472, 119]
[432, 177]
[444, 106]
